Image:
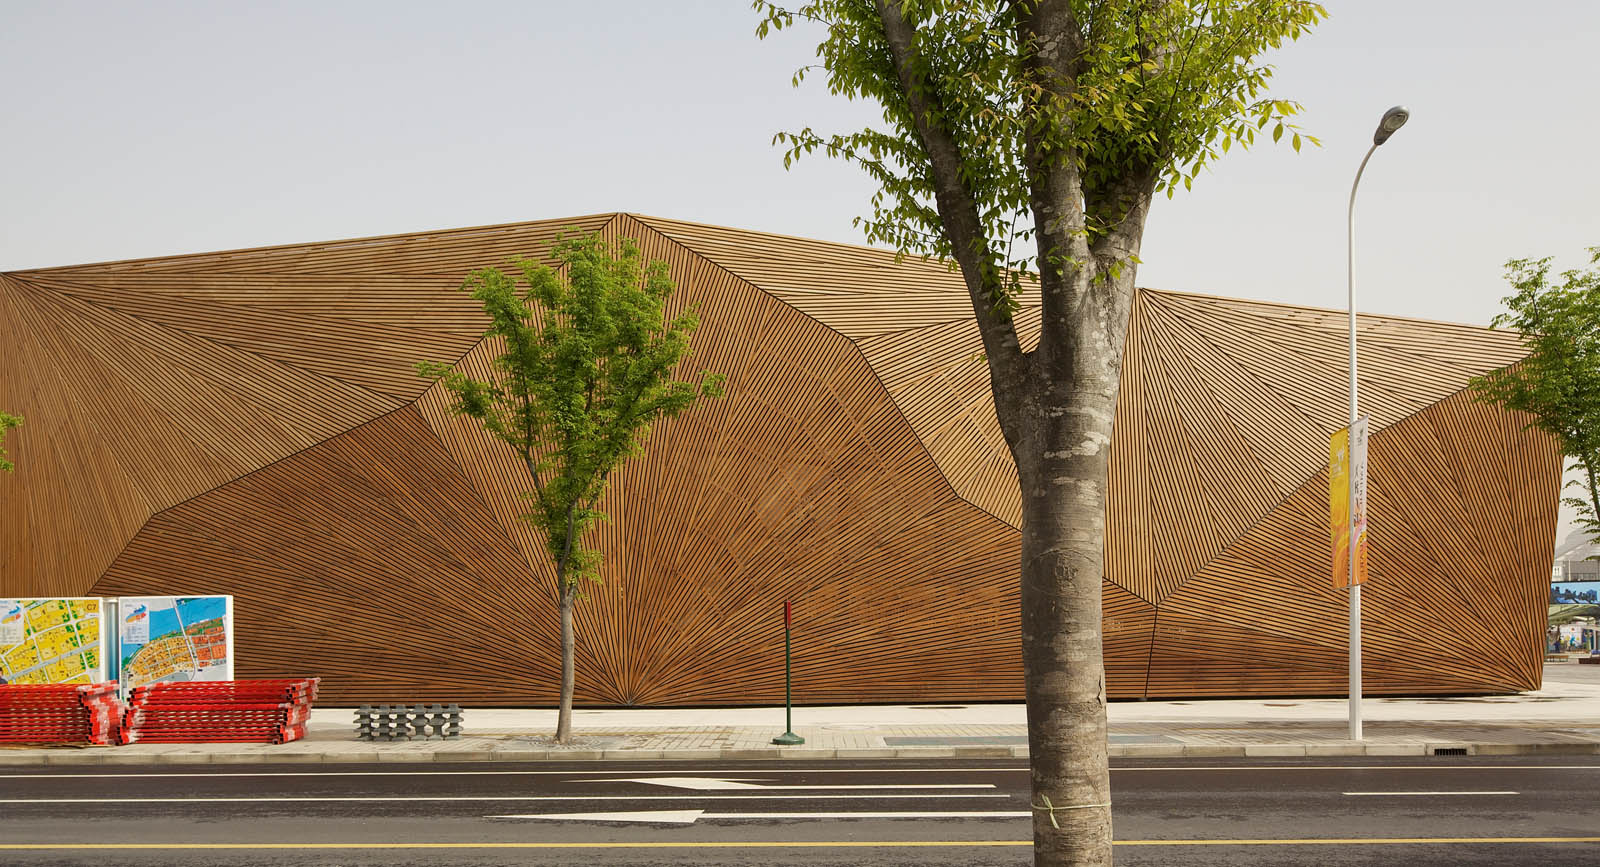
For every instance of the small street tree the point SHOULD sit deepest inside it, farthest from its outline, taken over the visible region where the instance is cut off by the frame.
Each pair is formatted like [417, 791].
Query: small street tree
[584, 361]
[1559, 382]
[7, 422]
[1023, 142]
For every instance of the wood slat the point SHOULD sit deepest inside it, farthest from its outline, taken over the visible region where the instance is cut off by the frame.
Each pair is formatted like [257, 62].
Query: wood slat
[248, 422]
[130, 418]
[370, 548]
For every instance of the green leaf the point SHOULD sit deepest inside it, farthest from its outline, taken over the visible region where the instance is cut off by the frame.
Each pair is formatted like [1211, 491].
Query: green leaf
[1123, 113]
[584, 368]
[7, 422]
[1558, 383]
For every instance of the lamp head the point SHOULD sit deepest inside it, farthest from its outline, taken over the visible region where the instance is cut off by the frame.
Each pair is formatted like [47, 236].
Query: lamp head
[1393, 119]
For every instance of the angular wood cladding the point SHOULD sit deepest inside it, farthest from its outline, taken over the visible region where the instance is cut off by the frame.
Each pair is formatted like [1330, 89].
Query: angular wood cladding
[249, 423]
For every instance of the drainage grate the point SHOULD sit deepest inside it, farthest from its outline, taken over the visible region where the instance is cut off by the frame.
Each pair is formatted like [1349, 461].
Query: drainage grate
[1449, 751]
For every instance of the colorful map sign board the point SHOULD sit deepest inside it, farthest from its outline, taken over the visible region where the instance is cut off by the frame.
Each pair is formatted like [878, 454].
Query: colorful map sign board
[1347, 497]
[175, 638]
[1561, 593]
[51, 641]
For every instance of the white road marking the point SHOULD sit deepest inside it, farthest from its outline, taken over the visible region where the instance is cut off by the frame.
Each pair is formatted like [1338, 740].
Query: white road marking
[769, 771]
[424, 798]
[1408, 794]
[568, 772]
[689, 817]
[668, 817]
[1467, 767]
[717, 784]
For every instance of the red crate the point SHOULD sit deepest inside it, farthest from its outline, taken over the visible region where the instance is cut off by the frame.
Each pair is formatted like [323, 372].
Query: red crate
[59, 714]
[239, 711]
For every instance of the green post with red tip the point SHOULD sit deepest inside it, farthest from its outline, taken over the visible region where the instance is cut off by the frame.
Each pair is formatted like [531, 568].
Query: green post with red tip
[788, 738]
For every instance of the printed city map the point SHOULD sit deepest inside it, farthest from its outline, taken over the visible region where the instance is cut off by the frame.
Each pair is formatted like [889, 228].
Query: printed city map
[51, 641]
[175, 638]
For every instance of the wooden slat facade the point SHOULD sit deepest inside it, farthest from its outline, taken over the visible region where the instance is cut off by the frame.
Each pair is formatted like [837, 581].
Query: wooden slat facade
[249, 423]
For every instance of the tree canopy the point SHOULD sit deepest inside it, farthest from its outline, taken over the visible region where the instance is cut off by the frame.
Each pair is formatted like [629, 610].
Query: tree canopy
[584, 356]
[582, 372]
[1147, 93]
[1558, 384]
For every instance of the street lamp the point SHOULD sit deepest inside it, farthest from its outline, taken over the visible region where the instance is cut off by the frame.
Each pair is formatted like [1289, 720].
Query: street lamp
[1392, 120]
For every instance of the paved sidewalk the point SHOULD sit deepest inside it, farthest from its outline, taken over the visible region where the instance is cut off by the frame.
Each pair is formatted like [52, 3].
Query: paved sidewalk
[1562, 718]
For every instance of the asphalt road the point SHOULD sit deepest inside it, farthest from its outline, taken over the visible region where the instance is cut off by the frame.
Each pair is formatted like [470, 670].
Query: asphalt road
[1435, 811]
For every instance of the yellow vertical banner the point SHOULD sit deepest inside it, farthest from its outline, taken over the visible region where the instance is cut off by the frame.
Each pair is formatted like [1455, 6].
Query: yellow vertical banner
[1347, 487]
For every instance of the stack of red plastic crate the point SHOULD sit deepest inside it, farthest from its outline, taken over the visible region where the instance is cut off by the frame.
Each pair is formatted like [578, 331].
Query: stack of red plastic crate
[237, 711]
[60, 714]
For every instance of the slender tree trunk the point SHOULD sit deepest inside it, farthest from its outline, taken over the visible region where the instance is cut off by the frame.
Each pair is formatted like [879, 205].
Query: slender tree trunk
[1594, 489]
[569, 645]
[568, 675]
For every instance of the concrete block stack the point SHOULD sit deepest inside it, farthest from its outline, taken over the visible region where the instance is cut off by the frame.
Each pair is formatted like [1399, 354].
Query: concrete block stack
[394, 722]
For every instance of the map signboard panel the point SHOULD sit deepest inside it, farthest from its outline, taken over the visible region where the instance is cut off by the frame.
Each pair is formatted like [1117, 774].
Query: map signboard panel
[175, 638]
[51, 641]
[1571, 593]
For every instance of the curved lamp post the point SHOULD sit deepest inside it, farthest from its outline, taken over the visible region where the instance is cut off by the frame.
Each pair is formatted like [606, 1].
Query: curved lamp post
[1392, 120]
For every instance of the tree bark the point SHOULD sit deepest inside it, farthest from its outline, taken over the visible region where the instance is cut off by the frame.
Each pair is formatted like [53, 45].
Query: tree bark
[567, 594]
[1062, 458]
[1061, 651]
[1065, 681]
[1062, 455]
[568, 675]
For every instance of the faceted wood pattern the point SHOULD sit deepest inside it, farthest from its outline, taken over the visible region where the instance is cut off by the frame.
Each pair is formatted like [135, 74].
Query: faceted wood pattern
[250, 423]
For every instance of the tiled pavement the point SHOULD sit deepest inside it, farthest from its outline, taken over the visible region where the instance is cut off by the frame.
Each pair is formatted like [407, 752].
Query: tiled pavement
[1562, 718]
[892, 741]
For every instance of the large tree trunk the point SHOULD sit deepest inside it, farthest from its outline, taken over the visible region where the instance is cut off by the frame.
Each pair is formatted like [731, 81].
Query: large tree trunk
[1063, 443]
[568, 675]
[1056, 406]
[1062, 664]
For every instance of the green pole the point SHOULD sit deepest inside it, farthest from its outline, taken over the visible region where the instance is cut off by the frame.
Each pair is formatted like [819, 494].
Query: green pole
[788, 738]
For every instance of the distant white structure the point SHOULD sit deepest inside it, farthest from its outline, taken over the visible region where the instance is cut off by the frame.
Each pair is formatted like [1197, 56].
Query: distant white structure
[1572, 559]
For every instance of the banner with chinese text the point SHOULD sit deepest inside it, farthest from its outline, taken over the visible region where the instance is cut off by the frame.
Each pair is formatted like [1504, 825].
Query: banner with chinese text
[1347, 461]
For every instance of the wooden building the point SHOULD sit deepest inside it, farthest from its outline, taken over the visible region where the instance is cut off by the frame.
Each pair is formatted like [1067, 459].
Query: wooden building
[251, 422]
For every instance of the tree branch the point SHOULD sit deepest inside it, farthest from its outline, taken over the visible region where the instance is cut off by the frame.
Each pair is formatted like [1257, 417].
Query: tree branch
[1128, 201]
[527, 450]
[958, 212]
[1051, 63]
[562, 581]
[1594, 490]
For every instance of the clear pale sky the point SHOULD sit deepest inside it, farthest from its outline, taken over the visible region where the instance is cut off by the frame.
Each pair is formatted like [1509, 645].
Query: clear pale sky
[156, 128]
